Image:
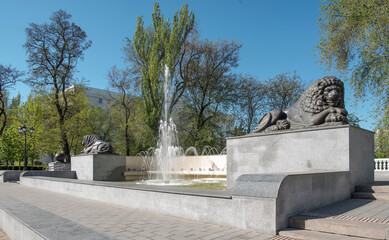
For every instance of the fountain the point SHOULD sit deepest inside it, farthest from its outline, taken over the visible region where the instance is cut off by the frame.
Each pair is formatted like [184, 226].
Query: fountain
[167, 152]
[167, 164]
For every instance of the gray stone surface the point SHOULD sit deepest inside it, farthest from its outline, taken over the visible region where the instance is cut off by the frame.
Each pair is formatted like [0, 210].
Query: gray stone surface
[36, 223]
[340, 148]
[119, 222]
[258, 185]
[9, 175]
[296, 192]
[304, 192]
[53, 174]
[238, 212]
[99, 167]
[261, 203]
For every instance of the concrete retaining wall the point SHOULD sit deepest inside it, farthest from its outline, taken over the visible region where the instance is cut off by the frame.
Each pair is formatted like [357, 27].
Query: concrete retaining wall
[340, 148]
[12, 176]
[53, 174]
[266, 211]
[9, 175]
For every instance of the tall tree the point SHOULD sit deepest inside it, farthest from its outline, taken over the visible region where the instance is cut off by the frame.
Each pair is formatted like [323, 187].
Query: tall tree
[53, 52]
[151, 49]
[211, 86]
[124, 83]
[8, 77]
[250, 102]
[355, 38]
[283, 90]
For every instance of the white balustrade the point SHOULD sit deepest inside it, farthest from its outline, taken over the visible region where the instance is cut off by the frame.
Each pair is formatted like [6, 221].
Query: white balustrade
[381, 164]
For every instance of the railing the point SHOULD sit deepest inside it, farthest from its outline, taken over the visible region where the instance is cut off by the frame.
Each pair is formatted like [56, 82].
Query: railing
[381, 164]
[56, 167]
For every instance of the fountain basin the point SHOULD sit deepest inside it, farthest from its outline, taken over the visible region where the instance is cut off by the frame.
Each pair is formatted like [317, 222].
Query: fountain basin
[262, 202]
[138, 175]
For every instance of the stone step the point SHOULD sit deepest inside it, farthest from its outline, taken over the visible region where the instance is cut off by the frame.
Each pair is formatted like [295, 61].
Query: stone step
[313, 235]
[339, 226]
[382, 196]
[372, 188]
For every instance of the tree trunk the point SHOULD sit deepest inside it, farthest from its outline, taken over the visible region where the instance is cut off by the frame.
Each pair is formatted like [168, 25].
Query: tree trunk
[127, 141]
[64, 139]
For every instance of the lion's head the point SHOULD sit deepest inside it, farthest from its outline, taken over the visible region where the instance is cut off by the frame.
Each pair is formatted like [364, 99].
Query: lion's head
[322, 94]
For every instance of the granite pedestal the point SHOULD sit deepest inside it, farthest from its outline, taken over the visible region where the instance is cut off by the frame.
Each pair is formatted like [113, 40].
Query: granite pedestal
[337, 148]
[99, 167]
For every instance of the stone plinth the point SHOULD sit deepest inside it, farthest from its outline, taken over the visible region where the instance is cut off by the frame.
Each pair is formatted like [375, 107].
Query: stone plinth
[99, 167]
[339, 148]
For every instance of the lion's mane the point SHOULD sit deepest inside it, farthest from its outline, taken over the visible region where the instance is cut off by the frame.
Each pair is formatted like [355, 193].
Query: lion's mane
[314, 98]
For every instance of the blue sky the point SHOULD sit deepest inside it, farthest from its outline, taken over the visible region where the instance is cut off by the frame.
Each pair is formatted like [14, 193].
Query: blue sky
[277, 36]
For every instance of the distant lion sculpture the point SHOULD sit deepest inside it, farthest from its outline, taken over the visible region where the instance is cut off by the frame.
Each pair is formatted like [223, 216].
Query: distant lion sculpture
[321, 104]
[93, 145]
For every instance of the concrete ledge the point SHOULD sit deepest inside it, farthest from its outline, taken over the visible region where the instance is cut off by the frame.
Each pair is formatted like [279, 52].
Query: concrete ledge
[20, 220]
[303, 192]
[53, 174]
[258, 202]
[16, 229]
[194, 204]
[295, 192]
[258, 185]
[9, 175]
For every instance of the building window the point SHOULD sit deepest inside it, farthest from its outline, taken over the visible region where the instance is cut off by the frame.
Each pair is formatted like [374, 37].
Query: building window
[100, 100]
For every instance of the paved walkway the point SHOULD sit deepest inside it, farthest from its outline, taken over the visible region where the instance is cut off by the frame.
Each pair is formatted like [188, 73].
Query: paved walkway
[3, 236]
[116, 221]
[119, 222]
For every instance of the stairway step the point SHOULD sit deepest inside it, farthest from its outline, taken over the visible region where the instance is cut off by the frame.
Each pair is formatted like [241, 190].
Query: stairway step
[372, 188]
[383, 196]
[313, 235]
[338, 226]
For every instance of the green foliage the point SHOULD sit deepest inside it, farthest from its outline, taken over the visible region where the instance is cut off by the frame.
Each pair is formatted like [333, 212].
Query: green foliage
[211, 90]
[11, 146]
[139, 134]
[151, 49]
[38, 112]
[355, 37]
[353, 120]
[381, 137]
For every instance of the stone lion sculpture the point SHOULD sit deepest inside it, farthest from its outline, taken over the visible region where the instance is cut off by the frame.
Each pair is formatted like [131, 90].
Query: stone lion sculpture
[321, 104]
[93, 145]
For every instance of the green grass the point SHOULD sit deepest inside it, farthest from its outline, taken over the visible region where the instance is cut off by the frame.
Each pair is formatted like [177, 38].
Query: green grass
[214, 186]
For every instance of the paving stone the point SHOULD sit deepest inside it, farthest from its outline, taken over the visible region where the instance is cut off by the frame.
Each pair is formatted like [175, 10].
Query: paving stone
[116, 221]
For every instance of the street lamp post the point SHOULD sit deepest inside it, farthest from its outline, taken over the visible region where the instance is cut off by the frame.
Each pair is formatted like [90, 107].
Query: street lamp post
[23, 131]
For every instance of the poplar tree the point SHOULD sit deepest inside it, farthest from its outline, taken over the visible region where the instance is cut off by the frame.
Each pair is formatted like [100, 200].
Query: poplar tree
[151, 48]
